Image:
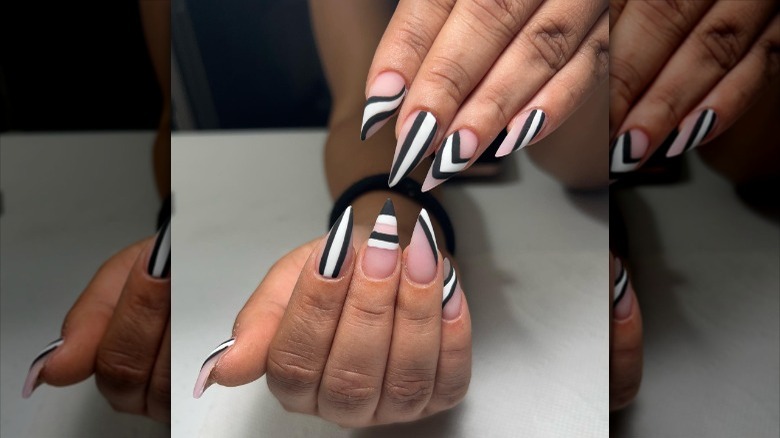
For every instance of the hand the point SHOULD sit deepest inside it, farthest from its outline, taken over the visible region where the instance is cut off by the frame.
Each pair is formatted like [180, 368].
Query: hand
[357, 338]
[119, 329]
[473, 67]
[682, 72]
[625, 358]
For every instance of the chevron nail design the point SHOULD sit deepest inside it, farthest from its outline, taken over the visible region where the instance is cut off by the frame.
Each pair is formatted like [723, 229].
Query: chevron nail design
[452, 157]
[450, 282]
[37, 365]
[385, 232]
[621, 282]
[378, 110]
[411, 147]
[627, 152]
[337, 245]
[160, 259]
[208, 366]
[693, 132]
[522, 132]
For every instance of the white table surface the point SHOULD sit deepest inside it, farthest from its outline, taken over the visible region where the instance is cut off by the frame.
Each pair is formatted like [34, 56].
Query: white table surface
[70, 201]
[707, 276]
[534, 269]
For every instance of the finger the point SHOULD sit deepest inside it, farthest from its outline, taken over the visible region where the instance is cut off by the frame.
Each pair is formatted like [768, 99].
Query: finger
[352, 380]
[471, 40]
[158, 396]
[615, 10]
[714, 47]
[733, 95]
[643, 39]
[299, 350]
[414, 350]
[71, 358]
[625, 367]
[545, 46]
[453, 371]
[404, 45]
[128, 351]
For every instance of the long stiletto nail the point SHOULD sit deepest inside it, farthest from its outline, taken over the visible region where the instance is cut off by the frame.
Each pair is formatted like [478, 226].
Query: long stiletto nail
[621, 282]
[160, 259]
[31, 382]
[381, 255]
[693, 132]
[627, 152]
[412, 146]
[208, 366]
[453, 156]
[423, 253]
[337, 245]
[385, 96]
[450, 282]
[522, 132]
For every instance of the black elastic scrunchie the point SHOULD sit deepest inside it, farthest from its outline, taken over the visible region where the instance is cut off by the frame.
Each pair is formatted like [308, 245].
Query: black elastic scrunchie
[406, 187]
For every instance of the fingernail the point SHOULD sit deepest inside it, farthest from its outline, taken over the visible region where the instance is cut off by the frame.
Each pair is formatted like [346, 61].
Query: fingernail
[160, 259]
[208, 366]
[627, 152]
[31, 382]
[621, 299]
[384, 97]
[451, 293]
[423, 253]
[692, 132]
[452, 157]
[381, 254]
[338, 244]
[416, 136]
[522, 132]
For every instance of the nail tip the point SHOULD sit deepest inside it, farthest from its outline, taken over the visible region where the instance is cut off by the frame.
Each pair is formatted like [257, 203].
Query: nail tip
[388, 208]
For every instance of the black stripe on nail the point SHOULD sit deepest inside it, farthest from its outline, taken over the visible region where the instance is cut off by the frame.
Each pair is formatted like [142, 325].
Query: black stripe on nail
[160, 259]
[407, 145]
[700, 126]
[428, 230]
[621, 283]
[392, 238]
[526, 126]
[450, 283]
[341, 252]
[376, 118]
[220, 348]
[453, 153]
[48, 349]
[624, 142]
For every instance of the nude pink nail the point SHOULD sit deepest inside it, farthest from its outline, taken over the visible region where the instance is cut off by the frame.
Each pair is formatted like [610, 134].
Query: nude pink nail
[452, 157]
[692, 132]
[381, 254]
[451, 292]
[208, 366]
[622, 294]
[31, 382]
[385, 96]
[522, 132]
[423, 256]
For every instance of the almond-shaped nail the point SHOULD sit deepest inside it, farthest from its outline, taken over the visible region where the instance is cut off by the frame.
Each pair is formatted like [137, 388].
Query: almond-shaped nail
[160, 259]
[692, 132]
[416, 137]
[621, 296]
[452, 157]
[522, 132]
[337, 246]
[451, 292]
[381, 254]
[31, 382]
[627, 152]
[385, 95]
[208, 366]
[423, 256]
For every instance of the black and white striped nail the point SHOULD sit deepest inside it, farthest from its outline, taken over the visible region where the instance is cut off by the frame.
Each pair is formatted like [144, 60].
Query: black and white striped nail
[450, 282]
[337, 246]
[627, 152]
[160, 259]
[411, 147]
[377, 110]
[208, 366]
[621, 282]
[692, 132]
[452, 157]
[385, 232]
[522, 132]
[37, 365]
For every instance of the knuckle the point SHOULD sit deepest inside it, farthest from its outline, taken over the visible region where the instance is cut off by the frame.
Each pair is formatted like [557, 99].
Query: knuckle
[413, 38]
[408, 390]
[770, 52]
[493, 101]
[598, 50]
[349, 390]
[666, 102]
[624, 81]
[117, 370]
[291, 373]
[317, 308]
[500, 16]
[550, 41]
[721, 43]
[449, 76]
[363, 316]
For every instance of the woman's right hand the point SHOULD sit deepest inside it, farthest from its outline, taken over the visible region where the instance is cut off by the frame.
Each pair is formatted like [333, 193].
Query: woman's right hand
[355, 337]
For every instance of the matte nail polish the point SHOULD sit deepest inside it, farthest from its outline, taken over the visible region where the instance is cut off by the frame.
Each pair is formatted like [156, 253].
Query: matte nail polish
[381, 254]
[208, 365]
[452, 157]
[386, 94]
[416, 138]
[160, 259]
[423, 255]
[522, 132]
[627, 152]
[37, 365]
[337, 245]
[692, 132]
[451, 292]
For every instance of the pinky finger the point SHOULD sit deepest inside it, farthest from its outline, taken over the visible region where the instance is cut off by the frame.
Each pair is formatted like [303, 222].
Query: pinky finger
[564, 92]
[733, 95]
